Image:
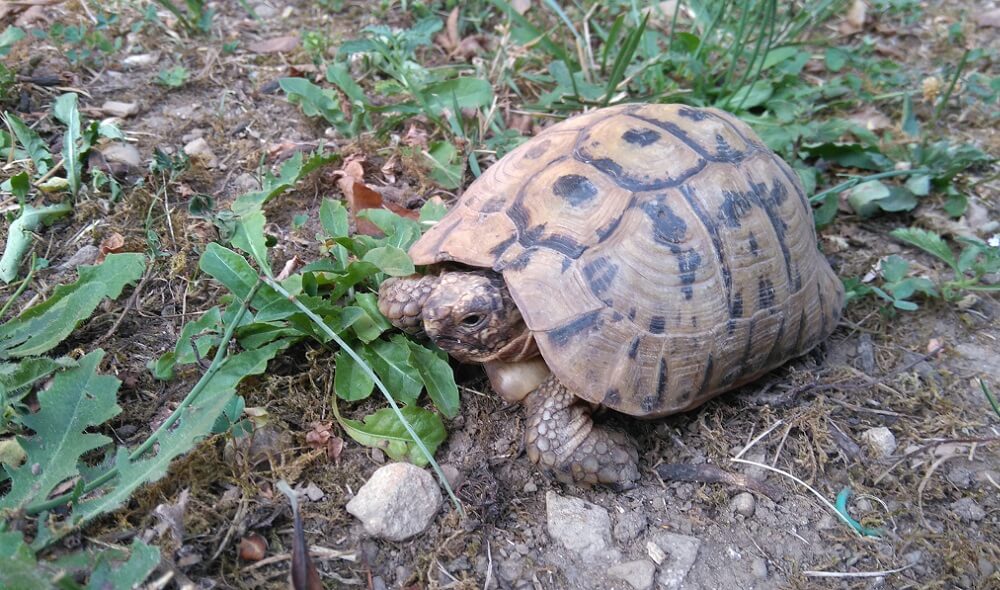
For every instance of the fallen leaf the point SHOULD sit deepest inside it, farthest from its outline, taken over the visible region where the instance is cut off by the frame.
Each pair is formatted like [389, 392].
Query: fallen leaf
[319, 435]
[110, 245]
[415, 137]
[360, 196]
[854, 20]
[452, 28]
[304, 575]
[171, 517]
[275, 45]
[334, 448]
[292, 265]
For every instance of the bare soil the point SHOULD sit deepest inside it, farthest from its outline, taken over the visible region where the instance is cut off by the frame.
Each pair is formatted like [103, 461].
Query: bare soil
[873, 372]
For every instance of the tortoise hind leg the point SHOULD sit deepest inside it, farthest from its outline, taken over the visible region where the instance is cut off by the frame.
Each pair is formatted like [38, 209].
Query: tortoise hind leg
[563, 440]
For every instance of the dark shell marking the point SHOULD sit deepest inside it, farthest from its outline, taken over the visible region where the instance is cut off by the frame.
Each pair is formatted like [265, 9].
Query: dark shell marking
[575, 188]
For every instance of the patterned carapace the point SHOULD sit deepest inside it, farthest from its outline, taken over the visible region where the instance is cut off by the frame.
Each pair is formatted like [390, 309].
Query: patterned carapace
[660, 254]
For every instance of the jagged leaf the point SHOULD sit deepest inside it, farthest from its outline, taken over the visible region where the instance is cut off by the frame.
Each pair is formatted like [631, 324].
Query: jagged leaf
[16, 377]
[18, 567]
[78, 399]
[927, 241]
[41, 327]
[128, 575]
[384, 430]
[32, 143]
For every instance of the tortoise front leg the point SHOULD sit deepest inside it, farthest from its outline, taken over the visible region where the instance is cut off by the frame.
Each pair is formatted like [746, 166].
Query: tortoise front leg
[563, 440]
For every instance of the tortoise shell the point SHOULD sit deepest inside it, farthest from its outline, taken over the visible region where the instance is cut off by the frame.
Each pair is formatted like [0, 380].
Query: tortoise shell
[660, 254]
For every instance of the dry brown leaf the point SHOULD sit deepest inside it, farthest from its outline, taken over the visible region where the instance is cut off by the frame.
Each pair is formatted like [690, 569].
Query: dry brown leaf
[360, 196]
[110, 245]
[415, 137]
[319, 435]
[854, 20]
[334, 447]
[275, 45]
[452, 28]
[990, 18]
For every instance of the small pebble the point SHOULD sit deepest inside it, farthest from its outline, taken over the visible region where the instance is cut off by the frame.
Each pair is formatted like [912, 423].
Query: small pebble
[744, 504]
[880, 440]
[530, 487]
[759, 568]
[967, 509]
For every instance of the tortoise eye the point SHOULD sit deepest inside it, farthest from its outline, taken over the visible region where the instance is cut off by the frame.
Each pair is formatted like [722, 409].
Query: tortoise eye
[472, 319]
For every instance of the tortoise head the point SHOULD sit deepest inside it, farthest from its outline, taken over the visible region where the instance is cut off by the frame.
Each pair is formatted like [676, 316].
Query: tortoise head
[469, 315]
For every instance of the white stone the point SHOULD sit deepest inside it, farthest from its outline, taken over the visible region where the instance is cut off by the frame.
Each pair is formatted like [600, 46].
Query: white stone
[880, 440]
[639, 573]
[682, 551]
[199, 149]
[580, 526]
[398, 502]
[120, 109]
[744, 504]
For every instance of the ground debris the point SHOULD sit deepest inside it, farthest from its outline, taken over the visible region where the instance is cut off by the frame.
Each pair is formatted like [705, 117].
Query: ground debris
[707, 473]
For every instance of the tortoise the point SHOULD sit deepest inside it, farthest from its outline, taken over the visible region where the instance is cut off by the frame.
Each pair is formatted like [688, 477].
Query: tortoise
[642, 258]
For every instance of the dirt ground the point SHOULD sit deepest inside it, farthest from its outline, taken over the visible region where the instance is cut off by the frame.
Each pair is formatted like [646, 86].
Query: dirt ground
[935, 496]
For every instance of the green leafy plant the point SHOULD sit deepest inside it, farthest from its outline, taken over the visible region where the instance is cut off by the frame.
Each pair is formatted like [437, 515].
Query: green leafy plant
[173, 77]
[975, 261]
[27, 145]
[897, 287]
[196, 19]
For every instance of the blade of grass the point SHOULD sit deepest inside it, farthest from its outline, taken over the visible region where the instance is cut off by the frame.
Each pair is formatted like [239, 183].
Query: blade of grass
[543, 39]
[951, 88]
[989, 396]
[624, 58]
[378, 383]
[859, 179]
[769, 22]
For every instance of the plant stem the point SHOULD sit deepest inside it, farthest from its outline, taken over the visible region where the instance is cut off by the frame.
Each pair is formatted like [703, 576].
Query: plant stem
[378, 382]
[951, 87]
[859, 179]
[20, 288]
[221, 356]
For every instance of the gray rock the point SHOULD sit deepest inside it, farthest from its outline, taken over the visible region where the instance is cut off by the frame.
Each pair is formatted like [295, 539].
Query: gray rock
[961, 476]
[630, 525]
[398, 502]
[981, 356]
[639, 573]
[682, 551]
[758, 567]
[967, 509]
[744, 504]
[866, 354]
[880, 440]
[580, 526]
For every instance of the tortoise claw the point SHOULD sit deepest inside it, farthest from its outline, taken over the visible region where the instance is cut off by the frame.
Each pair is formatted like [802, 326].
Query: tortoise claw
[562, 439]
